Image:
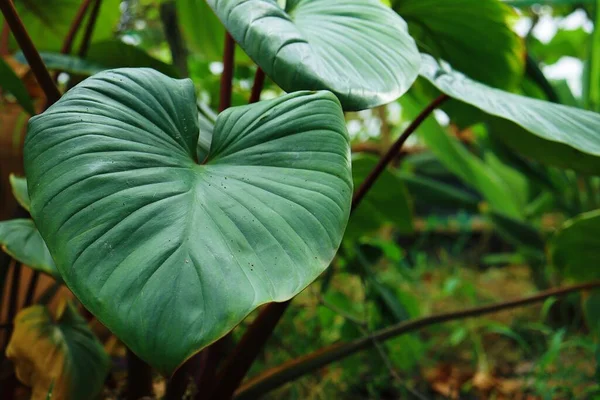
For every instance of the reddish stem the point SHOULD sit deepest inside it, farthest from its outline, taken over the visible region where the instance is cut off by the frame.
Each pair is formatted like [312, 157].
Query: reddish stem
[75, 25]
[4, 39]
[227, 75]
[257, 334]
[259, 82]
[89, 29]
[31, 54]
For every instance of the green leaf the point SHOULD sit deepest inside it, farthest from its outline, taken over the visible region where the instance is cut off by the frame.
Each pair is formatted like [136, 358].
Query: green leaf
[206, 122]
[10, 82]
[524, 236]
[19, 189]
[566, 43]
[66, 63]
[475, 36]
[550, 133]
[593, 67]
[21, 240]
[58, 353]
[576, 247]
[358, 49]
[387, 202]
[170, 254]
[464, 164]
[116, 54]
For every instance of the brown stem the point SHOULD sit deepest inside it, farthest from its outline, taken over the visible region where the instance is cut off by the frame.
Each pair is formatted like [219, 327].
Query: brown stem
[89, 29]
[4, 40]
[33, 283]
[359, 195]
[170, 23]
[227, 75]
[74, 28]
[31, 54]
[139, 378]
[293, 369]
[257, 87]
[257, 334]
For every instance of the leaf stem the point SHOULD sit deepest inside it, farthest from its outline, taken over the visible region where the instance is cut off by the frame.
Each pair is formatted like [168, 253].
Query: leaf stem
[257, 87]
[74, 28]
[139, 377]
[256, 336]
[32, 287]
[364, 188]
[170, 23]
[31, 54]
[89, 29]
[294, 369]
[227, 75]
[4, 39]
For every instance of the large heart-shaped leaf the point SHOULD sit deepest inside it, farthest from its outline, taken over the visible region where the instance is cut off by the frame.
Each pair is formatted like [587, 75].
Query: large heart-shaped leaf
[358, 49]
[551, 133]
[58, 353]
[170, 255]
[21, 240]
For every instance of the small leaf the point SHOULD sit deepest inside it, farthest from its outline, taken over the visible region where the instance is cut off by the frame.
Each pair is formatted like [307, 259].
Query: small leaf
[551, 133]
[10, 82]
[21, 240]
[576, 247]
[358, 49]
[170, 254]
[57, 353]
[19, 189]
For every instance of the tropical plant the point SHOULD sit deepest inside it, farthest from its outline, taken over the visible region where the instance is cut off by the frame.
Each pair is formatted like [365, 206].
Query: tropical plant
[171, 223]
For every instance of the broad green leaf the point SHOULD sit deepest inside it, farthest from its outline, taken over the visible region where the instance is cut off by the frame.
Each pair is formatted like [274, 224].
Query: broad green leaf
[576, 247]
[21, 240]
[170, 254]
[468, 167]
[475, 36]
[387, 202]
[19, 189]
[551, 133]
[358, 49]
[10, 82]
[206, 122]
[57, 352]
[116, 54]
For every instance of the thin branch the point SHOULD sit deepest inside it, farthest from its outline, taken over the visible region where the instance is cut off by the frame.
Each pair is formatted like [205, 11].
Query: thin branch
[257, 87]
[4, 39]
[227, 75]
[256, 336]
[535, 73]
[359, 195]
[294, 369]
[74, 28]
[31, 54]
[89, 29]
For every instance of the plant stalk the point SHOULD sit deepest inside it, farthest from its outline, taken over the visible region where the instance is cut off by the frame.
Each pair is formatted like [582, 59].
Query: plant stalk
[89, 29]
[75, 25]
[139, 378]
[31, 54]
[33, 283]
[227, 75]
[256, 336]
[170, 23]
[294, 369]
[257, 87]
[4, 39]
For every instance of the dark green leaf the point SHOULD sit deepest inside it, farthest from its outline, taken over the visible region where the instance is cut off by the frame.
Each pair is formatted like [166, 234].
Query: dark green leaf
[19, 189]
[66, 63]
[475, 36]
[170, 254]
[576, 247]
[358, 49]
[10, 82]
[21, 240]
